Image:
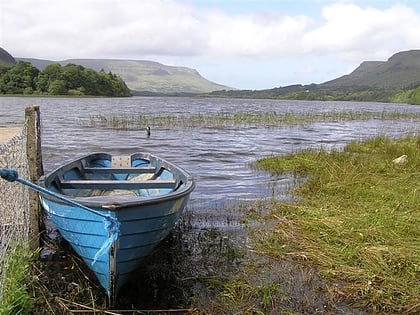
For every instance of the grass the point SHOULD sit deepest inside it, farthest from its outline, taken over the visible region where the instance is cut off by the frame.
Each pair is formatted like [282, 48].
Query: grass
[357, 221]
[14, 295]
[355, 224]
[238, 119]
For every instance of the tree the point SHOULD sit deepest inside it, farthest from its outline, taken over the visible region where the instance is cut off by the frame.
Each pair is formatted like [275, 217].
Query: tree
[73, 75]
[19, 79]
[51, 73]
[57, 87]
[414, 97]
[23, 78]
[90, 80]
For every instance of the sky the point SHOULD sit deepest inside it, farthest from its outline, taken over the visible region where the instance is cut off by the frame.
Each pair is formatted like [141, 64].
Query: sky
[244, 44]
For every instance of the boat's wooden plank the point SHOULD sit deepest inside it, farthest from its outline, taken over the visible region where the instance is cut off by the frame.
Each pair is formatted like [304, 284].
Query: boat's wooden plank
[120, 170]
[117, 184]
[121, 161]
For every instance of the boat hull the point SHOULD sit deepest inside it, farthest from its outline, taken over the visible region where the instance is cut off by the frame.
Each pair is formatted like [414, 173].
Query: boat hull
[143, 221]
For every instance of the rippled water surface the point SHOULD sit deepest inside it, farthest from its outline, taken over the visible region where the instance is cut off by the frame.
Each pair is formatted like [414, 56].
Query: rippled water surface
[217, 157]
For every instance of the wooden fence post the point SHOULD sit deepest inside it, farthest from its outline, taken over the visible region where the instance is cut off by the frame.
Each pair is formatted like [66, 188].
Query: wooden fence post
[35, 167]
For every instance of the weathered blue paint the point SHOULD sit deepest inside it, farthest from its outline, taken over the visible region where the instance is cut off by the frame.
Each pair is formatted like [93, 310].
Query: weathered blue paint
[145, 215]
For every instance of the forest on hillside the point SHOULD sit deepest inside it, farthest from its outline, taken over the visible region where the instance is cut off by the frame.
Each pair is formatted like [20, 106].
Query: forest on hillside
[25, 79]
[319, 93]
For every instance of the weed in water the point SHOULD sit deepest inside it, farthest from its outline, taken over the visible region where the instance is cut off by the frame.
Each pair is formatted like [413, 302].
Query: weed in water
[238, 119]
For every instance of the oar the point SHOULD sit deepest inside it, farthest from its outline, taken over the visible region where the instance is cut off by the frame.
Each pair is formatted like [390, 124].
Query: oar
[111, 223]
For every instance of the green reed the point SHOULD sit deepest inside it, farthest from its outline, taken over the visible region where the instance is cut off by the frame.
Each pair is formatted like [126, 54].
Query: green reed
[356, 220]
[238, 119]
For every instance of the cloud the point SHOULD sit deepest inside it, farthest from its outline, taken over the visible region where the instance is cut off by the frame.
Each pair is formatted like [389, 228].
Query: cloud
[352, 31]
[133, 29]
[255, 35]
[100, 28]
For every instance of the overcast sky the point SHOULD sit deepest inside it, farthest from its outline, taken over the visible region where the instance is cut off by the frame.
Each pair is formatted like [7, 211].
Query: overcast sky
[248, 44]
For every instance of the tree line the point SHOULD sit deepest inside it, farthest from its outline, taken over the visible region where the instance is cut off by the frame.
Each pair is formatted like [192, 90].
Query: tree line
[71, 79]
[410, 95]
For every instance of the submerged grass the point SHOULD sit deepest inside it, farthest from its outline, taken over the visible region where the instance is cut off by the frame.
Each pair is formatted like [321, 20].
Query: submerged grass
[357, 220]
[223, 119]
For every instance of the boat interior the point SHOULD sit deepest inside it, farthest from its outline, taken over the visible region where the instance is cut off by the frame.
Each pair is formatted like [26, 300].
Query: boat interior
[106, 175]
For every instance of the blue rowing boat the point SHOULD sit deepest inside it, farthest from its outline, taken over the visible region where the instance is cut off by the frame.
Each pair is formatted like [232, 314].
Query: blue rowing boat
[121, 208]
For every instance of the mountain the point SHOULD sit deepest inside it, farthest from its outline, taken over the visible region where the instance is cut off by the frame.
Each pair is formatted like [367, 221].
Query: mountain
[6, 59]
[395, 80]
[400, 71]
[143, 75]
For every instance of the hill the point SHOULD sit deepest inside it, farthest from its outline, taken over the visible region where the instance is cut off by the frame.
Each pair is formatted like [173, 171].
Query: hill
[400, 71]
[389, 81]
[395, 80]
[6, 59]
[145, 76]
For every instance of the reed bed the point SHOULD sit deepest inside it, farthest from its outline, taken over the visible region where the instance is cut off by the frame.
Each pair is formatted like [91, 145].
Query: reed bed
[356, 220]
[238, 119]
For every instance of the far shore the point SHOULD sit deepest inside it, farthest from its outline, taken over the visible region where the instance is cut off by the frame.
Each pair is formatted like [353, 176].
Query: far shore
[8, 132]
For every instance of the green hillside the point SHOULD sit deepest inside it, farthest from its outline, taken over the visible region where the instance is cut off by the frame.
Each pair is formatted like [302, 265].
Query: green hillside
[401, 71]
[142, 76]
[395, 80]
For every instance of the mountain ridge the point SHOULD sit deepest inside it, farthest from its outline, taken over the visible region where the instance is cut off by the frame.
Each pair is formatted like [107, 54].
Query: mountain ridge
[395, 80]
[144, 75]
[401, 70]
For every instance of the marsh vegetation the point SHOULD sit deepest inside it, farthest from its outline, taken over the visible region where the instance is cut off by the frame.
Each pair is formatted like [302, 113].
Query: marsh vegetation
[348, 243]
[238, 119]
[356, 221]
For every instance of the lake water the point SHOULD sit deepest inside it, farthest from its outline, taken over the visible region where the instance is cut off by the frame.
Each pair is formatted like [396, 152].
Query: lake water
[217, 157]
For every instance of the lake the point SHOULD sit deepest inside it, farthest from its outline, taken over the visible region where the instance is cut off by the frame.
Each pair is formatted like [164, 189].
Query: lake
[212, 237]
[217, 157]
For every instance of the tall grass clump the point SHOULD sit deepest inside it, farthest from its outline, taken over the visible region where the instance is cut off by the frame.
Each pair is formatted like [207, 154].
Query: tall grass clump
[239, 119]
[14, 295]
[357, 220]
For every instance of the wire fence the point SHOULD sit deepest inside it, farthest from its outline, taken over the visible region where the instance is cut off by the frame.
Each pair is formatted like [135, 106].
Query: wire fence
[14, 200]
